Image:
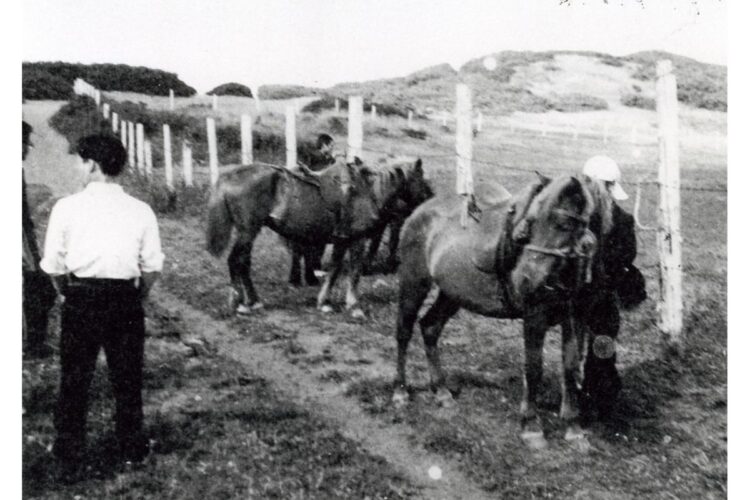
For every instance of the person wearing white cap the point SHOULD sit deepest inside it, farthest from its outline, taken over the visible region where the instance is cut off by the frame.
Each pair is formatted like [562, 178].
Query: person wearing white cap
[605, 169]
[625, 289]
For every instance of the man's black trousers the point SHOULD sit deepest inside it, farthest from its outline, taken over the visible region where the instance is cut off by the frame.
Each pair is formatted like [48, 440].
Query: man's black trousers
[101, 314]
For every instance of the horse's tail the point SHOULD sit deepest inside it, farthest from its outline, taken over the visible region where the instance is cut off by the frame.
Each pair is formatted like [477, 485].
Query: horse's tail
[219, 228]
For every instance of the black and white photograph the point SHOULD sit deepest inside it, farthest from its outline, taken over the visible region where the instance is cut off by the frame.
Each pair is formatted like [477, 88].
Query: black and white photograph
[359, 249]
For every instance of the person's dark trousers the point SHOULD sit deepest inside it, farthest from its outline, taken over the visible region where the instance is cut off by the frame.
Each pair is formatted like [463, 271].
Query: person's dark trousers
[109, 315]
[38, 299]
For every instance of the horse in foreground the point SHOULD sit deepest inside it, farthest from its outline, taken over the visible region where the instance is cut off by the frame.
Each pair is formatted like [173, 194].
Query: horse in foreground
[526, 258]
[244, 197]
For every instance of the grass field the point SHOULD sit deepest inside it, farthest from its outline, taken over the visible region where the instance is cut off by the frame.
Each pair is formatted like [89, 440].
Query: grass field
[666, 438]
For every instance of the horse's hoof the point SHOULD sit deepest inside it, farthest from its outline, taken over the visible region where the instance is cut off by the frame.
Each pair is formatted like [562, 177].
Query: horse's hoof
[534, 440]
[233, 299]
[358, 313]
[245, 310]
[444, 398]
[320, 273]
[400, 399]
[326, 309]
[577, 439]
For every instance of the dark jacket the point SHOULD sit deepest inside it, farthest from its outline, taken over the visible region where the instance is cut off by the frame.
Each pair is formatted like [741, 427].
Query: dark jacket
[619, 252]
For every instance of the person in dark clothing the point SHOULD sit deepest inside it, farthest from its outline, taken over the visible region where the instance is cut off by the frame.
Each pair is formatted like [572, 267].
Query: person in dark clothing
[37, 288]
[102, 248]
[625, 288]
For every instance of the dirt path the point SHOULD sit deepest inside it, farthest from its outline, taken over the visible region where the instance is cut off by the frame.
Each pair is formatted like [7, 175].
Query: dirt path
[49, 162]
[303, 385]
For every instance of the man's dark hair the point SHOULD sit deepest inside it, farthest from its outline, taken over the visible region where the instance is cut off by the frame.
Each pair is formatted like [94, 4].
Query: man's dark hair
[105, 150]
[323, 140]
[27, 129]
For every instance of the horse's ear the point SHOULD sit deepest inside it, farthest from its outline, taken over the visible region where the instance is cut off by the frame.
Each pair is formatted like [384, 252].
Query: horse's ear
[357, 161]
[418, 168]
[542, 178]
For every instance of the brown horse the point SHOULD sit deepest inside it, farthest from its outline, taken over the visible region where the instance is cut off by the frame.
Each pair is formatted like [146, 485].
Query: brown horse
[525, 258]
[244, 197]
[400, 187]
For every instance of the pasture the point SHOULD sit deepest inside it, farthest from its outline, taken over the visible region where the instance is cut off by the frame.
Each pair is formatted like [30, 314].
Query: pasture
[288, 403]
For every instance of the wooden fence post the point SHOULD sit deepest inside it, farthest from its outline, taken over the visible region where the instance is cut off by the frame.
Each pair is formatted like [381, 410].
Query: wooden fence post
[409, 120]
[171, 100]
[291, 136]
[97, 97]
[373, 111]
[464, 179]
[149, 158]
[354, 133]
[124, 133]
[445, 118]
[480, 121]
[213, 153]
[168, 157]
[187, 163]
[337, 105]
[246, 132]
[131, 144]
[115, 122]
[105, 110]
[139, 148]
[670, 237]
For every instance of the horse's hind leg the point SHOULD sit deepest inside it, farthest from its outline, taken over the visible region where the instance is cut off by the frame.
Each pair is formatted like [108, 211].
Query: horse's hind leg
[412, 293]
[337, 263]
[432, 325]
[534, 330]
[313, 256]
[295, 272]
[240, 263]
[354, 271]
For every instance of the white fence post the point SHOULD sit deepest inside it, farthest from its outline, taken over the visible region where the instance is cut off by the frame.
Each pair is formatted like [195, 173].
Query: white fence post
[670, 237]
[337, 105]
[291, 136]
[354, 133]
[373, 111]
[464, 132]
[105, 110]
[213, 153]
[171, 100]
[131, 144]
[115, 122]
[187, 163]
[246, 132]
[139, 147]
[124, 133]
[149, 158]
[409, 119]
[168, 157]
[97, 97]
[445, 118]
[480, 121]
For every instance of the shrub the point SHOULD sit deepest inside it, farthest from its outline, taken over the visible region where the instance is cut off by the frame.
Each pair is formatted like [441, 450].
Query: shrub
[236, 89]
[638, 101]
[415, 134]
[40, 84]
[79, 118]
[579, 102]
[111, 77]
[287, 91]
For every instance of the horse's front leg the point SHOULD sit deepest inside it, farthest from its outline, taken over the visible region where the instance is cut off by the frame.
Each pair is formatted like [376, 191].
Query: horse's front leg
[432, 324]
[372, 251]
[337, 262]
[534, 330]
[570, 382]
[354, 271]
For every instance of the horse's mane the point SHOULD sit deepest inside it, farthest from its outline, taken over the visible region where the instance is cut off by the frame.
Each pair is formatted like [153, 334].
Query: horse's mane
[390, 177]
[601, 215]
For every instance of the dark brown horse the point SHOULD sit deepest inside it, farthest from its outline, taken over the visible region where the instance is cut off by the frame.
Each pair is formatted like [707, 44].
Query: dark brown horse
[526, 257]
[244, 197]
[400, 187]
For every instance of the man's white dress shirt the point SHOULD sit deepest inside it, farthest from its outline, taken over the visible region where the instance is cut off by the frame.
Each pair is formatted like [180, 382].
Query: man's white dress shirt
[102, 232]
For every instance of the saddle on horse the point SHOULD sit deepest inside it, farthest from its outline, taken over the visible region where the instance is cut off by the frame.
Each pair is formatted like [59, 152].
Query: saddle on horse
[491, 204]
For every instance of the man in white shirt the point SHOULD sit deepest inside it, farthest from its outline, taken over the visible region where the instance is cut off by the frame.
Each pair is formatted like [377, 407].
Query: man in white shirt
[103, 251]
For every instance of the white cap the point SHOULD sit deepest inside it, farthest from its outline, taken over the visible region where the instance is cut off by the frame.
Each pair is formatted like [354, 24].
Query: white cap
[605, 169]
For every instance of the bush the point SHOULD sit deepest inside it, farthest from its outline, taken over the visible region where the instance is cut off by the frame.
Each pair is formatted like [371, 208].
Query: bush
[579, 102]
[79, 118]
[236, 89]
[415, 134]
[39, 84]
[638, 101]
[106, 77]
[287, 91]
[327, 102]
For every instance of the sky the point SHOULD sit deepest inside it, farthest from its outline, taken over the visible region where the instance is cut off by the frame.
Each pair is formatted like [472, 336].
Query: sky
[323, 42]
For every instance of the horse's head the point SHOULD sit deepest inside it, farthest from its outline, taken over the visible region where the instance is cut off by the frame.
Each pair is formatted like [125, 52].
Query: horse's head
[550, 226]
[363, 202]
[401, 187]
